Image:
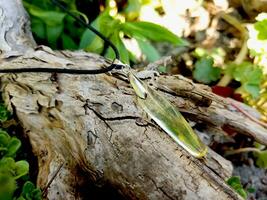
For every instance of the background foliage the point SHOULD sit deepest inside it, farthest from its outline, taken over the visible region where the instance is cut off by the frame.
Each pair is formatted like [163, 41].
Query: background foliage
[14, 179]
[54, 27]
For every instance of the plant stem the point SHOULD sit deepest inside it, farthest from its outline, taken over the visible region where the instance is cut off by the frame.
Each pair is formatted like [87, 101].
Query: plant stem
[226, 79]
[242, 150]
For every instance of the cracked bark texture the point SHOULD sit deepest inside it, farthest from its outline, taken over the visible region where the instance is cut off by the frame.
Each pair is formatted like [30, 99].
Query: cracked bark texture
[92, 125]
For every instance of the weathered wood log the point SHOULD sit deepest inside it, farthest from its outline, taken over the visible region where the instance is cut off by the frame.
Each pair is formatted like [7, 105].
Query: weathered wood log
[91, 125]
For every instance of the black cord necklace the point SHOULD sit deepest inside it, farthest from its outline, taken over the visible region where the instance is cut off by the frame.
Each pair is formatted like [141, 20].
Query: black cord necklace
[75, 71]
[156, 106]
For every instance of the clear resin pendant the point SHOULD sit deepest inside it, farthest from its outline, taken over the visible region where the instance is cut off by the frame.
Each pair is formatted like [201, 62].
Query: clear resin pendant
[167, 117]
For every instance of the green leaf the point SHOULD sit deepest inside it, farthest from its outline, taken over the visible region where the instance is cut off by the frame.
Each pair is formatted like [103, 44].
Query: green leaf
[261, 159]
[7, 186]
[104, 24]
[4, 139]
[205, 72]
[154, 32]
[235, 183]
[68, 42]
[96, 46]
[132, 57]
[12, 147]
[4, 113]
[21, 198]
[15, 169]
[88, 37]
[38, 28]
[116, 40]
[234, 180]
[30, 192]
[249, 75]
[148, 50]
[162, 69]
[254, 90]
[28, 187]
[21, 168]
[53, 33]
[51, 18]
[242, 193]
[261, 27]
[8, 145]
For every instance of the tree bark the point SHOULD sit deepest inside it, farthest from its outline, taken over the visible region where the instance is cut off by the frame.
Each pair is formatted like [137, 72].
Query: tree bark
[92, 127]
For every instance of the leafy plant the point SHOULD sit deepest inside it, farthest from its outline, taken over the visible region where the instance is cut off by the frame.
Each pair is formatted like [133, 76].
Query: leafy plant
[30, 192]
[8, 145]
[257, 45]
[8, 187]
[51, 25]
[249, 75]
[116, 30]
[4, 114]
[261, 27]
[10, 170]
[9, 167]
[205, 72]
[261, 159]
[257, 41]
[235, 183]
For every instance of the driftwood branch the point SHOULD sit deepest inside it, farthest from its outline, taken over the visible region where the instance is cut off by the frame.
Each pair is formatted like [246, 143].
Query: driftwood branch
[92, 124]
[15, 33]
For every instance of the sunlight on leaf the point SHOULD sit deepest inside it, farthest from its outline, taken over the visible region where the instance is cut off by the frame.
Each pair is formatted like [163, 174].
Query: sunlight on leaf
[261, 27]
[261, 159]
[153, 32]
[148, 50]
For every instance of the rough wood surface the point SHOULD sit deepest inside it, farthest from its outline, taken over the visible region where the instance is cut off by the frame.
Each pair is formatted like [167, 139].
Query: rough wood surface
[220, 112]
[93, 125]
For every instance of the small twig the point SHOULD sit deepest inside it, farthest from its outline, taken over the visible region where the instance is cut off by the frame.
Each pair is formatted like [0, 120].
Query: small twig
[52, 179]
[247, 114]
[242, 150]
